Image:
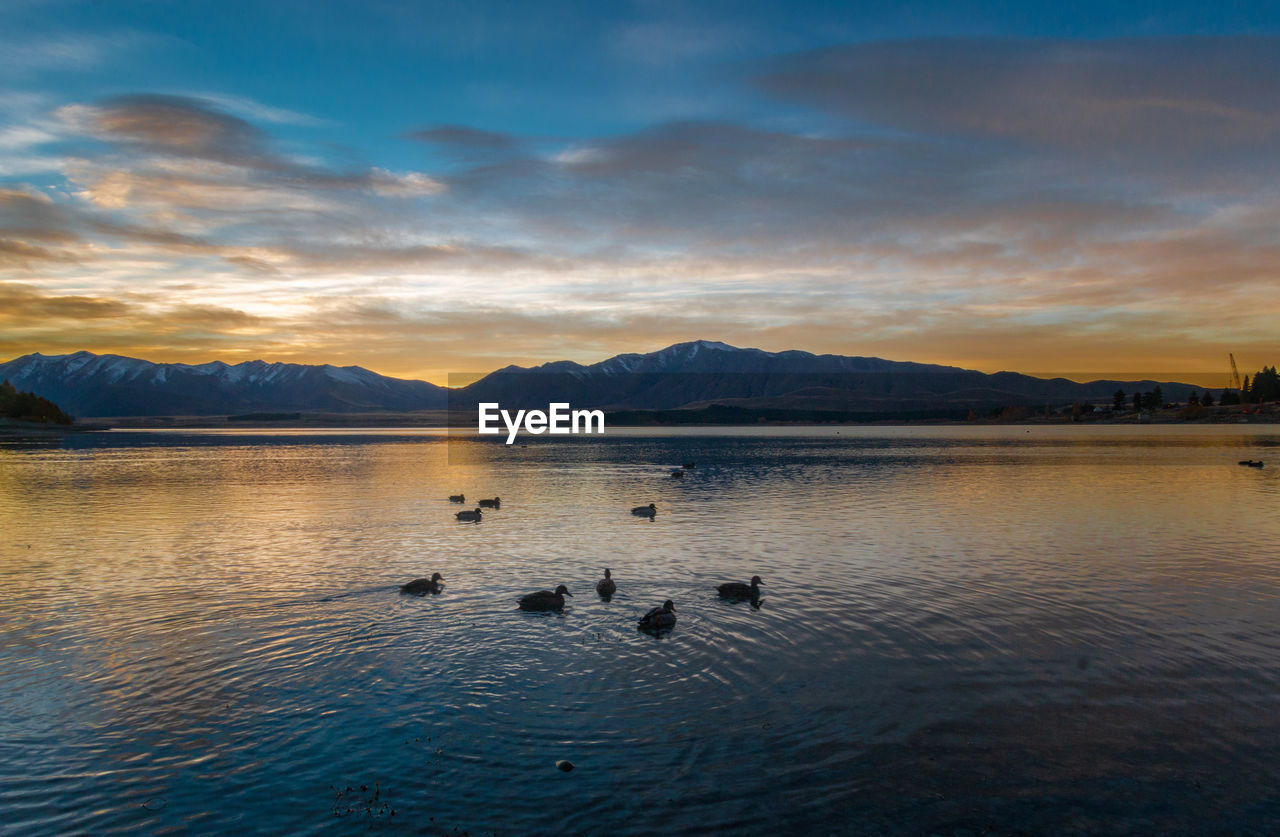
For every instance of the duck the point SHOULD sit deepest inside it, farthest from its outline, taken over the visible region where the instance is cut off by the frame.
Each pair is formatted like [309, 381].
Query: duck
[1251, 463]
[496, 502]
[689, 466]
[659, 617]
[457, 498]
[645, 511]
[545, 599]
[422, 586]
[677, 474]
[606, 586]
[469, 515]
[738, 590]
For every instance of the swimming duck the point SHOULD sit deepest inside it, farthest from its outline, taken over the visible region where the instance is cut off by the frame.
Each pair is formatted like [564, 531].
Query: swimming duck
[677, 474]
[422, 586]
[457, 498]
[606, 586]
[495, 503]
[738, 590]
[645, 511]
[659, 617]
[1251, 463]
[545, 599]
[469, 515]
[689, 466]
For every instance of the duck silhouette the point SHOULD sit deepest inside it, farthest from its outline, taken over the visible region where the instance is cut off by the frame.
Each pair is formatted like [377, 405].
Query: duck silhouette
[545, 599]
[645, 511]
[422, 586]
[469, 515]
[606, 586]
[738, 590]
[659, 617]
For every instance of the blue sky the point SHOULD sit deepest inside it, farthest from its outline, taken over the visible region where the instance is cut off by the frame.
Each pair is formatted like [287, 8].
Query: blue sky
[433, 187]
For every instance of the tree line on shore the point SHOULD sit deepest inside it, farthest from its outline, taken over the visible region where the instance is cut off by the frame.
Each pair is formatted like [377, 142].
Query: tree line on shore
[1264, 386]
[27, 406]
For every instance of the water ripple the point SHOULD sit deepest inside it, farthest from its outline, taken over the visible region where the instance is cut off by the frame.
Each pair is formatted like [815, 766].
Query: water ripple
[206, 634]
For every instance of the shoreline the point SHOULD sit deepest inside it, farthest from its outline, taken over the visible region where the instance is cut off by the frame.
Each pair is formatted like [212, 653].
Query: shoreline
[437, 420]
[14, 427]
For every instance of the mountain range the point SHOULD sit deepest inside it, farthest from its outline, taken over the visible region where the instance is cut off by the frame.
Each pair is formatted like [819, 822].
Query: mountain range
[89, 385]
[689, 375]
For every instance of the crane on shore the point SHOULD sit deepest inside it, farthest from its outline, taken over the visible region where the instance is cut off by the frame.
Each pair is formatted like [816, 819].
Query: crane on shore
[1239, 387]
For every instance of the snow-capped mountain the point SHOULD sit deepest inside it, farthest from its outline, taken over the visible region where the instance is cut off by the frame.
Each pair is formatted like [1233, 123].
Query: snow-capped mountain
[704, 372]
[710, 356]
[694, 374]
[89, 385]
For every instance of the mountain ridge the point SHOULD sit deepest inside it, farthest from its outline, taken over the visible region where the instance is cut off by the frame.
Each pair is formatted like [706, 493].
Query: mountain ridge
[92, 385]
[691, 374]
[701, 372]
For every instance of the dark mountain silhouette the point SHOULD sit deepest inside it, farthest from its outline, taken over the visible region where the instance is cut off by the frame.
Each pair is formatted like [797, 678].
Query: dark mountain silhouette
[686, 375]
[89, 385]
[702, 373]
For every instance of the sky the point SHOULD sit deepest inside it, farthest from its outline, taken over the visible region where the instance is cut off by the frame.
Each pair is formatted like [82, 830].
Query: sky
[435, 188]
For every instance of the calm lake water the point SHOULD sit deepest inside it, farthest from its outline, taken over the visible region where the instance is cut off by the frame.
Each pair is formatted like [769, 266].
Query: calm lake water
[963, 630]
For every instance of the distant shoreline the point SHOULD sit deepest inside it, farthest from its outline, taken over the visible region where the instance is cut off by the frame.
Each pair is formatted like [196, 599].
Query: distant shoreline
[707, 417]
[14, 427]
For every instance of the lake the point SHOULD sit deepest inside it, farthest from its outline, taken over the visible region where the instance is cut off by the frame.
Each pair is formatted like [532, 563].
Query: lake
[963, 630]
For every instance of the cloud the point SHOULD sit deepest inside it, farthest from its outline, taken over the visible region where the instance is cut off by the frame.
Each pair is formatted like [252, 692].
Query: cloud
[1171, 95]
[29, 209]
[23, 254]
[33, 229]
[64, 52]
[23, 136]
[717, 186]
[205, 188]
[987, 203]
[38, 235]
[708, 148]
[174, 178]
[467, 146]
[25, 304]
[463, 136]
[174, 125]
[407, 185]
[250, 109]
[59, 321]
[677, 183]
[154, 130]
